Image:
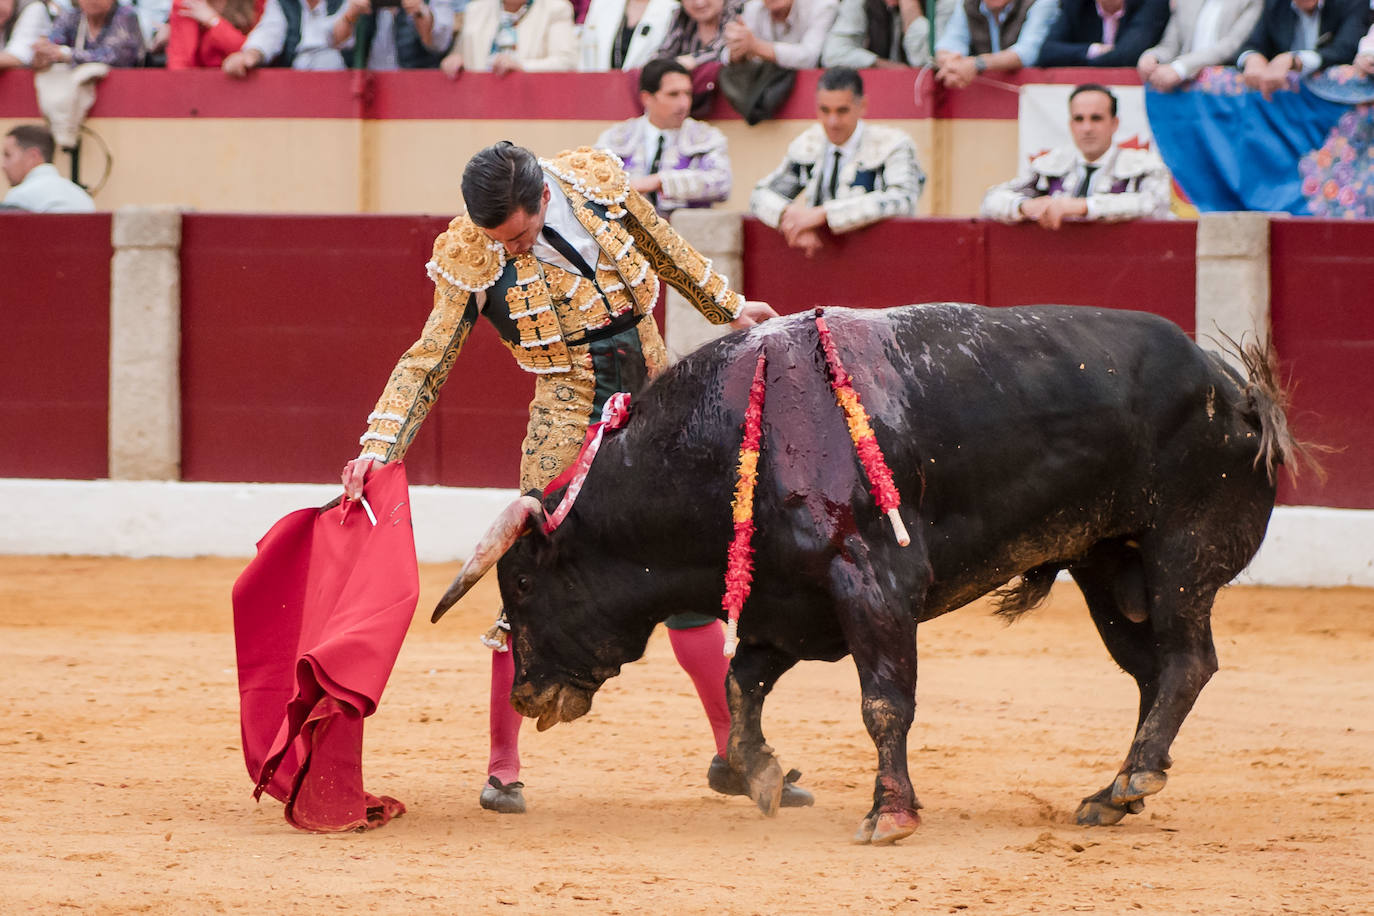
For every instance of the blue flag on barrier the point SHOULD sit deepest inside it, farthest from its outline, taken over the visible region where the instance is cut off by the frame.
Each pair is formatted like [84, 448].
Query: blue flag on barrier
[1306, 151]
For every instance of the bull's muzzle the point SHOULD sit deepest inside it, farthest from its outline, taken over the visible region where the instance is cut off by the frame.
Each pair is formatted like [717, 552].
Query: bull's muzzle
[509, 525]
[552, 704]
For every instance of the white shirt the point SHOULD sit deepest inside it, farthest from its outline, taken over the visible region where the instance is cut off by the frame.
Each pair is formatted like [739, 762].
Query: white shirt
[315, 50]
[1208, 26]
[33, 23]
[651, 135]
[560, 218]
[798, 39]
[848, 150]
[44, 190]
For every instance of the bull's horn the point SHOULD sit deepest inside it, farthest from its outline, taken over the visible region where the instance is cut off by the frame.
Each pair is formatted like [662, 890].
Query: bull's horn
[509, 525]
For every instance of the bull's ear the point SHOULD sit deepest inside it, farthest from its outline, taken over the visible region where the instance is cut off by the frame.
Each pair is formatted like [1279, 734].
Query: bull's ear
[525, 514]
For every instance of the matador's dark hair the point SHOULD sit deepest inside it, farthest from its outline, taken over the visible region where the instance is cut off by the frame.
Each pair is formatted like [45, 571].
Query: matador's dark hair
[1093, 87]
[500, 179]
[651, 77]
[841, 78]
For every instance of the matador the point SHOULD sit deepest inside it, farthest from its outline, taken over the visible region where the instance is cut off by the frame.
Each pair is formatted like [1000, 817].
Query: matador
[564, 259]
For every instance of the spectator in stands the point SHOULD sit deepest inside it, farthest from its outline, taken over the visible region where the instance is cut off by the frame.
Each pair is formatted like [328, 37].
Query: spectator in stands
[205, 32]
[1093, 179]
[696, 36]
[20, 28]
[879, 34]
[992, 35]
[1200, 33]
[35, 182]
[300, 34]
[840, 174]
[406, 35]
[97, 30]
[1301, 35]
[1103, 33]
[504, 36]
[1364, 57]
[625, 34]
[154, 22]
[673, 160]
[788, 32]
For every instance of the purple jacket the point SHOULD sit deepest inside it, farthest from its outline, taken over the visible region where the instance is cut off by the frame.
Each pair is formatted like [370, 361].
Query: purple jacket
[695, 164]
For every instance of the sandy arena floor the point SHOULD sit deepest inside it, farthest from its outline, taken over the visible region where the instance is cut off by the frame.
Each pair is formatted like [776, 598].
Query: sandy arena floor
[128, 794]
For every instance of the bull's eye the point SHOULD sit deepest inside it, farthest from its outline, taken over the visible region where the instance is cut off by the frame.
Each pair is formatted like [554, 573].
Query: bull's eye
[522, 584]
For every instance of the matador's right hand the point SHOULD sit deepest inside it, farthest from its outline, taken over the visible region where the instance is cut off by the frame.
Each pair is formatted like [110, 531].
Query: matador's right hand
[355, 474]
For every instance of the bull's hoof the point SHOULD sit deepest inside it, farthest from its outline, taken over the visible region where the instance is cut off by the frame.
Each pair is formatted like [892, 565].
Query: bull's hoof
[886, 828]
[765, 788]
[1126, 789]
[503, 798]
[1102, 810]
[726, 781]
[1093, 813]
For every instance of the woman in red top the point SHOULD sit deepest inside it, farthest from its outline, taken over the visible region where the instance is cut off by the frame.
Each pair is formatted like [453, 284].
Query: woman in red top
[204, 32]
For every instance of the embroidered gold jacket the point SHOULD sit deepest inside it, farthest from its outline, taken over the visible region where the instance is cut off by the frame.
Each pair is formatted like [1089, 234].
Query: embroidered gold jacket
[536, 310]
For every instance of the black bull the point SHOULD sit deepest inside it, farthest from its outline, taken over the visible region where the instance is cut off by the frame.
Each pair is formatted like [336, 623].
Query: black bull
[1024, 441]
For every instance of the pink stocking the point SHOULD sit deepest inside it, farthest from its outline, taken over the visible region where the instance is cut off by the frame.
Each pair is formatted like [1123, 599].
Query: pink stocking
[699, 652]
[504, 762]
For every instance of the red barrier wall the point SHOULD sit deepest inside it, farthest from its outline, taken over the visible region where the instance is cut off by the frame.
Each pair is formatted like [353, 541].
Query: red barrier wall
[1141, 265]
[1322, 285]
[55, 349]
[290, 327]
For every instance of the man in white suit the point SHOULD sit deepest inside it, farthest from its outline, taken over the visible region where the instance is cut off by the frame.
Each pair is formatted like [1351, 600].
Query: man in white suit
[840, 174]
[1200, 33]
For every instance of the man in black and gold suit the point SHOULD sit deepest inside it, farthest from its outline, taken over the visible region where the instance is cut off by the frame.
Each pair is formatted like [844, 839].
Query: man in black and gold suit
[563, 258]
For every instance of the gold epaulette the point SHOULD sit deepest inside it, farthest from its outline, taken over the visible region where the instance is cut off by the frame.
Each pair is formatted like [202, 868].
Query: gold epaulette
[596, 174]
[465, 257]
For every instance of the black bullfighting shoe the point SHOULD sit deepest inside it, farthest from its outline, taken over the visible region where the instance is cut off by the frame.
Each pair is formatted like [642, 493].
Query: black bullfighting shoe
[724, 780]
[503, 799]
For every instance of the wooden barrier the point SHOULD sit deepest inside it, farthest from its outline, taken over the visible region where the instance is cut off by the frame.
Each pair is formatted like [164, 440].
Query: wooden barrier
[290, 325]
[54, 349]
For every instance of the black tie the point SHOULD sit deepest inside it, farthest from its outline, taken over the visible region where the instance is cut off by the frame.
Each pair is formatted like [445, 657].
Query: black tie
[834, 177]
[653, 168]
[1087, 180]
[562, 246]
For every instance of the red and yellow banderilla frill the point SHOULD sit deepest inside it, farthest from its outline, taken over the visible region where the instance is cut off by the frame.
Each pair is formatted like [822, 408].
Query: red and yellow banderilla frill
[865, 443]
[739, 566]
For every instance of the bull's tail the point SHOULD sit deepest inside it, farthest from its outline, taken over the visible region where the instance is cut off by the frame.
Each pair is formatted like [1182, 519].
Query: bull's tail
[1026, 592]
[1269, 400]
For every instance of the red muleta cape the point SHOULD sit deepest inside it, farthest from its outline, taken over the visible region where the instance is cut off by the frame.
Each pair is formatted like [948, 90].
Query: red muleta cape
[319, 616]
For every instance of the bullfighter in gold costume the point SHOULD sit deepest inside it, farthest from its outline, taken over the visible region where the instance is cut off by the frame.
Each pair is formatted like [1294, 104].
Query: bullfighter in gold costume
[563, 258]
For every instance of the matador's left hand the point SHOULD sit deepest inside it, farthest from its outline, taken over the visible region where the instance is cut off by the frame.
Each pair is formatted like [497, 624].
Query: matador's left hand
[752, 314]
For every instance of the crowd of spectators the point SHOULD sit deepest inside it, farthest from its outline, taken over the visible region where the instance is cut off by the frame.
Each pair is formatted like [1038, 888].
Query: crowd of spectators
[838, 175]
[1168, 41]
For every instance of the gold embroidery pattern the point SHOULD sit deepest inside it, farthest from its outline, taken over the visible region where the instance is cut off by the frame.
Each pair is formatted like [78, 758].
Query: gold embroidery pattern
[596, 174]
[531, 306]
[559, 416]
[626, 279]
[575, 298]
[679, 264]
[465, 257]
[415, 382]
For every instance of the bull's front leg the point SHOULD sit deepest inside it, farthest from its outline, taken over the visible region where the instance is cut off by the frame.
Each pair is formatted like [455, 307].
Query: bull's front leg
[754, 671]
[882, 639]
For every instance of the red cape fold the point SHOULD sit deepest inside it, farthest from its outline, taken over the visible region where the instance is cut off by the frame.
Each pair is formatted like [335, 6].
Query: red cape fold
[319, 616]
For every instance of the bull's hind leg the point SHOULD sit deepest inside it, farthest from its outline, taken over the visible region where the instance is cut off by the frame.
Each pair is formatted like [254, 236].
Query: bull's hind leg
[882, 640]
[1171, 657]
[754, 671]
